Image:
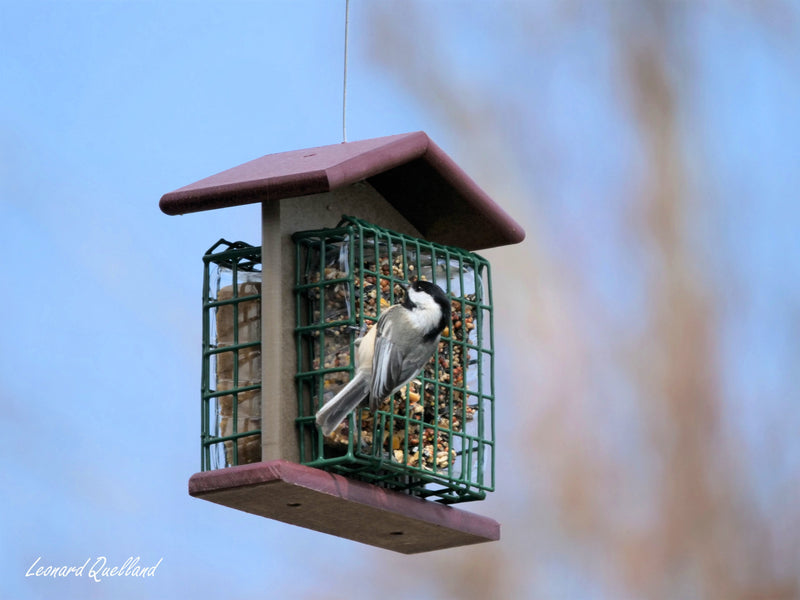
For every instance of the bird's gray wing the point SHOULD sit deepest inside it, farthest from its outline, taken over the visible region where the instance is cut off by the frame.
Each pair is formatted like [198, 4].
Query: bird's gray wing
[387, 368]
[394, 364]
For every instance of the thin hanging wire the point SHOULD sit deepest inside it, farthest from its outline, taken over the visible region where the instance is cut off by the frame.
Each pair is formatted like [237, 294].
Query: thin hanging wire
[344, 85]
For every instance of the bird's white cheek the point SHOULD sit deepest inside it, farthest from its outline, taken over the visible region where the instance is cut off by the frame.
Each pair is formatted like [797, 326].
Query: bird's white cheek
[418, 298]
[426, 318]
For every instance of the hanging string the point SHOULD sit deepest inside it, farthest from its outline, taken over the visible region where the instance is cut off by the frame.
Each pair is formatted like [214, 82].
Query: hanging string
[344, 85]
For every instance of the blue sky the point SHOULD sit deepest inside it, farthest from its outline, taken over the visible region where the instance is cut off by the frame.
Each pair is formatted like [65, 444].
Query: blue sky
[105, 106]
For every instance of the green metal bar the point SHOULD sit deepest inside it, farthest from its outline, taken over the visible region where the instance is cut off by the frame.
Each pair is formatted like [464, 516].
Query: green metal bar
[218, 303]
[301, 250]
[460, 478]
[235, 396]
[223, 349]
[233, 436]
[230, 392]
[322, 326]
[235, 259]
[205, 455]
[322, 371]
[491, 373]
[307, 286]
[337, 233]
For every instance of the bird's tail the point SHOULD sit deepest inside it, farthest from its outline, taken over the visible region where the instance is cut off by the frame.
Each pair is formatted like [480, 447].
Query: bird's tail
[337, 408]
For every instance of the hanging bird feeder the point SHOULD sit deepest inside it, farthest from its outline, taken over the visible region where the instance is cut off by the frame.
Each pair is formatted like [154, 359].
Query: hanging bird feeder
[344, 228]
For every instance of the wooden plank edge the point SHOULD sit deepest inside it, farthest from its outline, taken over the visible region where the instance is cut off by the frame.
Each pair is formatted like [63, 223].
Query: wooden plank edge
[430, 525]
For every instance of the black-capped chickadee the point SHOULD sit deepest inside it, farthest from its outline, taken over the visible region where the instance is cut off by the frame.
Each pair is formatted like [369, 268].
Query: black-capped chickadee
[392, 352]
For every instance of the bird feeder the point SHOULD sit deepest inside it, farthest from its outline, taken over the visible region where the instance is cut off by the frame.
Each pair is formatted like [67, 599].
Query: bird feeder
[344, 228]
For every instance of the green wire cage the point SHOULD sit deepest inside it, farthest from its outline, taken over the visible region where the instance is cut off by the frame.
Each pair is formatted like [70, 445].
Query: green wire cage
[231, 371]
[434, 438]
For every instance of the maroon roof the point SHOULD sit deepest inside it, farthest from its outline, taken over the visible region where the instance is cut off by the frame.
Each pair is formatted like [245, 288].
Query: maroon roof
[409, 170]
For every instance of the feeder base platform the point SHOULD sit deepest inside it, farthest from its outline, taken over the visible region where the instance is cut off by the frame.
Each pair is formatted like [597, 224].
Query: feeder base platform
[330, 503]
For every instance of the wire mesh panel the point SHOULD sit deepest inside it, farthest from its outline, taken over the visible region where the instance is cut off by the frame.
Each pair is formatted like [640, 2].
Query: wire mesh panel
[231, 374]
[433, 438]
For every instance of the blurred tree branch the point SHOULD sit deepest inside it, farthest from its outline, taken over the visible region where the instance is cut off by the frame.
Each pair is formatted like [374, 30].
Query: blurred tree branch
[622, 466]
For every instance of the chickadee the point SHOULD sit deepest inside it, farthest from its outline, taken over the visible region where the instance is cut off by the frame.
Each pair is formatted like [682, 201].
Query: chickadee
[392, 352]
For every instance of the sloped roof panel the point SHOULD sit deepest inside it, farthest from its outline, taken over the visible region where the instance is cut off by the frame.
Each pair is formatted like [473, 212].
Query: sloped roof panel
[409, 170]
